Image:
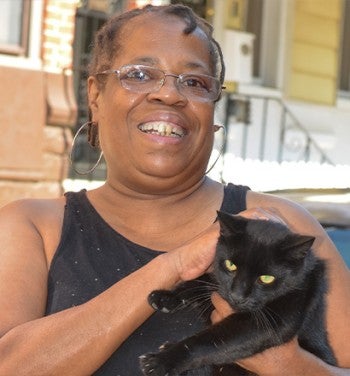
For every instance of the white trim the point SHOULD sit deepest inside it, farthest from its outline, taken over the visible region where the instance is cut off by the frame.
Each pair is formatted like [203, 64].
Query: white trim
[33, 61]
[35, 28]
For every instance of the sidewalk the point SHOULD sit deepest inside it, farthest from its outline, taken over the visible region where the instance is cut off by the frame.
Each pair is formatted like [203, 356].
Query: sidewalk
[330, 206]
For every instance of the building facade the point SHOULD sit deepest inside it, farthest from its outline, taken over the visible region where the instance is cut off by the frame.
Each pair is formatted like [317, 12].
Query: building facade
[293, 50]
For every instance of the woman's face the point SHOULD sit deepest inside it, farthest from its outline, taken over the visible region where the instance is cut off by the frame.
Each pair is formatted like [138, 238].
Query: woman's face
[137, 153]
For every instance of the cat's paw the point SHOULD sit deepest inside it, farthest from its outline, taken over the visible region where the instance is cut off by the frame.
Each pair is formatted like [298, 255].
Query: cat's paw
[171, 360]
[164, 301]
[153, 365]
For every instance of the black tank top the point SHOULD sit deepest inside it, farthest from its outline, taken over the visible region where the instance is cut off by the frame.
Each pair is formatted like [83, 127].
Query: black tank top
[92, 256]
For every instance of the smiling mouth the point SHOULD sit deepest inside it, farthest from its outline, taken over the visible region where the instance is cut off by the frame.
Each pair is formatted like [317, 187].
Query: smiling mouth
[162, 128]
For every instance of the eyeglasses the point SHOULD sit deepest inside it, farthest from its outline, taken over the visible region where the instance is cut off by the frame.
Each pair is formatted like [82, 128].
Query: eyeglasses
[144, 79]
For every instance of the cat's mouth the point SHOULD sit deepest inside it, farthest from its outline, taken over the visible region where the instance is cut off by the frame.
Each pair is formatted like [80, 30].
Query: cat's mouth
[243, 304]
[162, 128]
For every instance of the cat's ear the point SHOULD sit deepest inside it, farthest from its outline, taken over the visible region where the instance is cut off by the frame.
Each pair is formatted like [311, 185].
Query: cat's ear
[231, 224]
[299, 246]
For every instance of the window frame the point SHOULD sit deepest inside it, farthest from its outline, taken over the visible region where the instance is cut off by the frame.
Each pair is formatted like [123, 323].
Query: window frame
[344, 61]
[20, 49]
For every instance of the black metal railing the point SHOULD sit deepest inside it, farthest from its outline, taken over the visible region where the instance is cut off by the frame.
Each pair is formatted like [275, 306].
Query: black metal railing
[258, 138]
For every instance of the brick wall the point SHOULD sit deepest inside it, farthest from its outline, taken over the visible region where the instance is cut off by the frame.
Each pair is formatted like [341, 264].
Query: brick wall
[34, 152]
[57, 55]
[58, 32]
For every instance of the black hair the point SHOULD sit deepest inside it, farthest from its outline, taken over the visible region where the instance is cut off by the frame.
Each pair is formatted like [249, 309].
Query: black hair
[107, 40]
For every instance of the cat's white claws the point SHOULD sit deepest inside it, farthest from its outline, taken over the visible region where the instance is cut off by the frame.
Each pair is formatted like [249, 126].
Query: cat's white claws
[162, 347]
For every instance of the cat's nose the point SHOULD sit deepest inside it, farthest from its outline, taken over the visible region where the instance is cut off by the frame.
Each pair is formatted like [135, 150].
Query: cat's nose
[241, 303]
[240, 292]
[238, 296]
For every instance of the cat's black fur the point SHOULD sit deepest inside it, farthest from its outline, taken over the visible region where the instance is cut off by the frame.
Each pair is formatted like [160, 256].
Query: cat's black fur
[266, 314]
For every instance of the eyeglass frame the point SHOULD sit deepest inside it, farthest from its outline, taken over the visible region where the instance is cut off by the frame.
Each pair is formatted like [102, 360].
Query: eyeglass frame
[161, 83]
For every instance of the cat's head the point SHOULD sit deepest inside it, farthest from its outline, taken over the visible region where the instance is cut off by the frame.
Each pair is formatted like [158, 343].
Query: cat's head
[258, 260]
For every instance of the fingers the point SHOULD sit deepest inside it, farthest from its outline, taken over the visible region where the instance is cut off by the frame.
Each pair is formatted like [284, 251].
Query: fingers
[266, 214]
[222, 308]
[196, 256]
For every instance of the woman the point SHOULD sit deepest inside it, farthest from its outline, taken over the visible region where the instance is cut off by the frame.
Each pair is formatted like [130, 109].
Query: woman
[76, 271]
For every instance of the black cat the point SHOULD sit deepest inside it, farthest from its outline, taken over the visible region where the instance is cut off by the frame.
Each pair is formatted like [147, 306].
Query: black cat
[275, 285]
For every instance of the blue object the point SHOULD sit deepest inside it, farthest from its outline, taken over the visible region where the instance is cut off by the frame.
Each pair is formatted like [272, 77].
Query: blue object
[341, 239]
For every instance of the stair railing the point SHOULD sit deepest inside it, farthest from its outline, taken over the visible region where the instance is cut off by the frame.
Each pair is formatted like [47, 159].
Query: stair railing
[238, 110]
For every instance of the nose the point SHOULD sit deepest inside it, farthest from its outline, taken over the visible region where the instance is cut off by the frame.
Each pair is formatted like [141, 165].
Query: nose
[169, 92]
[240, 292]
[237, 296]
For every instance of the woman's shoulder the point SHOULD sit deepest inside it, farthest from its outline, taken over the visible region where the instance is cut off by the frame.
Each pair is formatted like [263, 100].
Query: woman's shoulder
[290, 211]
[40, 219]
[261, 199]
[34, 208]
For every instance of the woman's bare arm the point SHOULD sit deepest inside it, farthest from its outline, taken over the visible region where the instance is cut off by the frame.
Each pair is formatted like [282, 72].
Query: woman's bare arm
[78, 340]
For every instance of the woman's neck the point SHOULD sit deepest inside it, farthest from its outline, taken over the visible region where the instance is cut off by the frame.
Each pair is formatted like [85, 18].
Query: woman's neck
[159, 221]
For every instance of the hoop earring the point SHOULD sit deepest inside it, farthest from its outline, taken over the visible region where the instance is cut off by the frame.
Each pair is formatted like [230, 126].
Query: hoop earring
[216, 128]
[93, 142]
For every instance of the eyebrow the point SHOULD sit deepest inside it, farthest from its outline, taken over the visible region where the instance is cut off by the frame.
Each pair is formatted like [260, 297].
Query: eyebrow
[152, 61]
[145, 60]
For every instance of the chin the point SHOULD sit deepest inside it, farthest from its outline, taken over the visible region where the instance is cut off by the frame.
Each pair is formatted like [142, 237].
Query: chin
[169, 170]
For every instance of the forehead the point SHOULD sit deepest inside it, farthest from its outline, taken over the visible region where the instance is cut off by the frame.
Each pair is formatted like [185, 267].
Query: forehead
[161, 38]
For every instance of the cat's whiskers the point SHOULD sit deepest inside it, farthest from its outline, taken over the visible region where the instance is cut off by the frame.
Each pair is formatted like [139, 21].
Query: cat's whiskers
[273, 314]
[205, 309]
[259, 319]
[197, 301]
[202, 302]
[262, 322]
[200, 299]
[199, 293]
[266, 319]
[208, 283]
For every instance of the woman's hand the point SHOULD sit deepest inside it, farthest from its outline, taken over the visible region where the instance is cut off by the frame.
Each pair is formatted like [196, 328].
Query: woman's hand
[222, 308]
[194, 258]
[278, 360]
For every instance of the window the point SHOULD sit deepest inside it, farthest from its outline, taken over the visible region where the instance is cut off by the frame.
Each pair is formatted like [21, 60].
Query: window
[14, 26]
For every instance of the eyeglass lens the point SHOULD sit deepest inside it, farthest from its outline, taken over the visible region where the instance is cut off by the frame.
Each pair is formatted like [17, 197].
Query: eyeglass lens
[145, 79]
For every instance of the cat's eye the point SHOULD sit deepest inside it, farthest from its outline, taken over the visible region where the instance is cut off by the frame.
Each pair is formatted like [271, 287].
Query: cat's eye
[230, 265]
[266, 279]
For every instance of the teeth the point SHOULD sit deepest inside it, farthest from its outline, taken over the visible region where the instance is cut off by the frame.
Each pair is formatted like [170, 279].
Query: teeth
[163, 129]
[168, 130]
